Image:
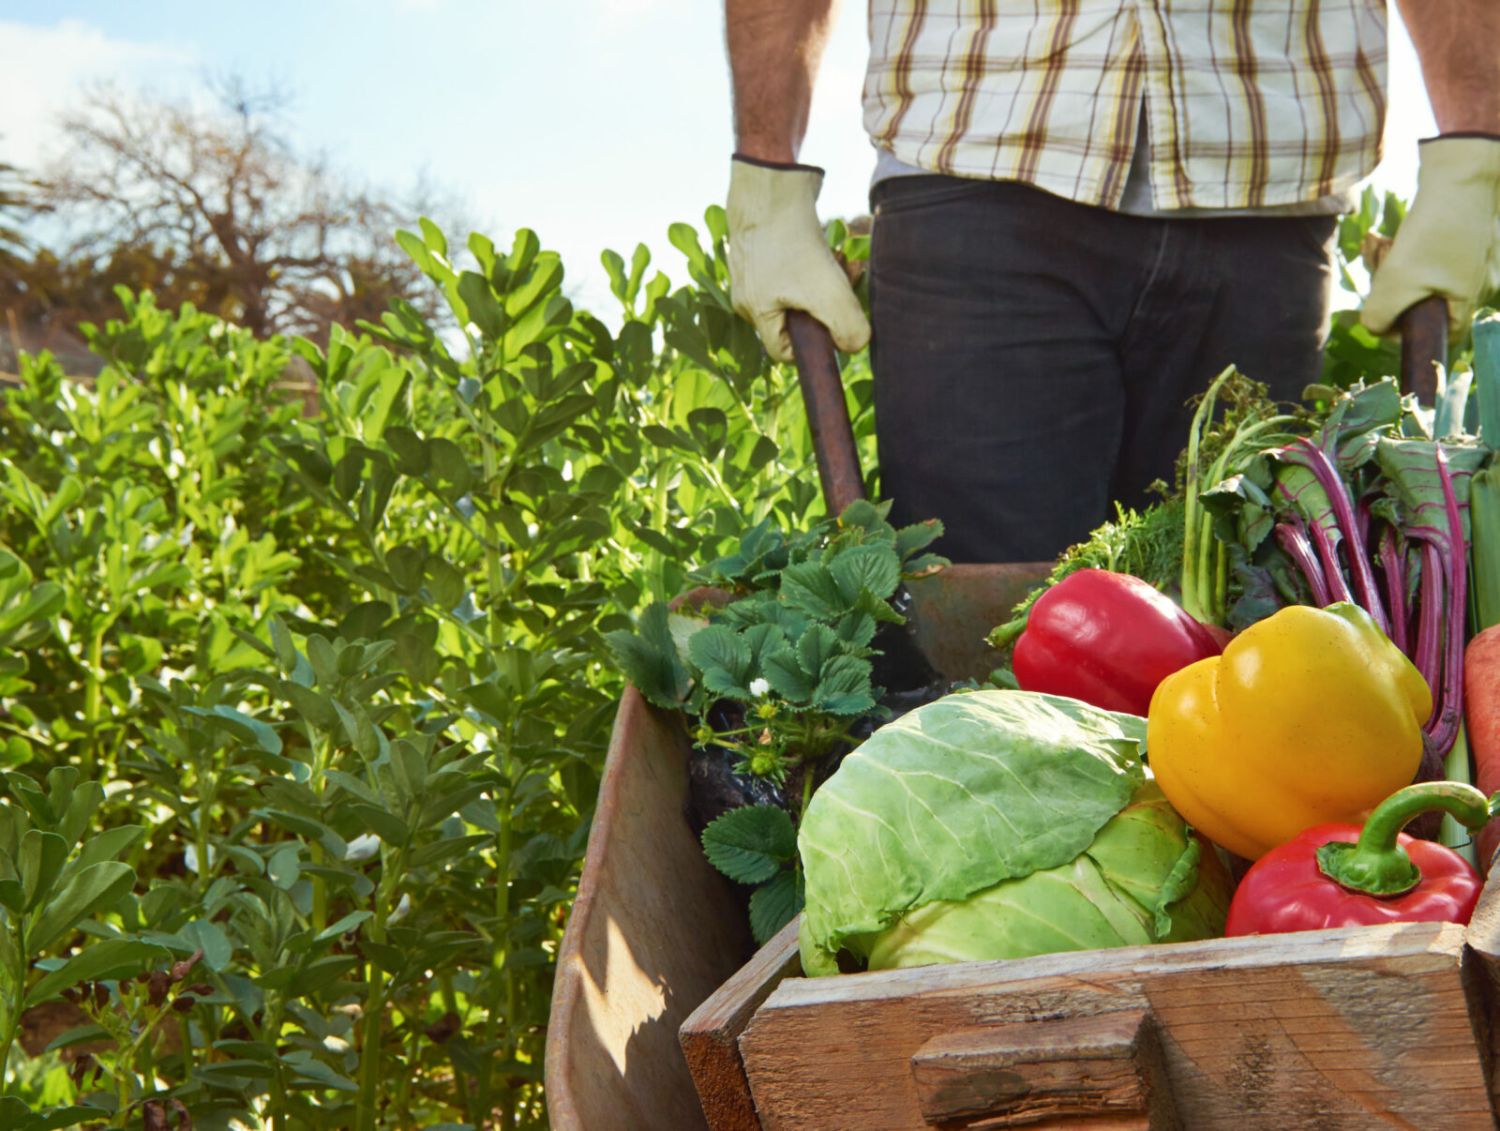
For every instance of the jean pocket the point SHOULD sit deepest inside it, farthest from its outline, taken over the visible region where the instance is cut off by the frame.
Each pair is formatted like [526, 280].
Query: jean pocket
[927, 190]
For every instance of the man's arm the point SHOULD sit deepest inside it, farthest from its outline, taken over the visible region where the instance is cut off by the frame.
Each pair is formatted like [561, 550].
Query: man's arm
[778, 258]
[1458, 45]
[775, 47]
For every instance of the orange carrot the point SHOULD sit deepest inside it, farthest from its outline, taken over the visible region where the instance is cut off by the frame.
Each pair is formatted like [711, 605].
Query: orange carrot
[1482, 714]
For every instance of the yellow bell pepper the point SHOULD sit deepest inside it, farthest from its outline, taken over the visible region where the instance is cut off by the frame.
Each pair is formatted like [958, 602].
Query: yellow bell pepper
[1309, 716]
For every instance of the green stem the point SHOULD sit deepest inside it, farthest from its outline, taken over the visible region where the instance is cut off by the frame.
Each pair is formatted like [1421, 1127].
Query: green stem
[369, 1048]
[367, 1105]
[403, 1085]
[502, 960]
[270, 1032]
[1376, 864]
[1190, 532]
[126, 1065]
[322, 757]
[460, 1082]
[11, 1008]
[93, 700]
[200, 834]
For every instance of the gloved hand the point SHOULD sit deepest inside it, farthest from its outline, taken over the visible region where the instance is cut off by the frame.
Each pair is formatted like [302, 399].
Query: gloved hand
[779, 261]
[1448, 242]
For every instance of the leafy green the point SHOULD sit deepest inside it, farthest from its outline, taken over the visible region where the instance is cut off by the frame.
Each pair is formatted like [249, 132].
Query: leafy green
[951, 799]
[775, 904]
[751, 844]
[794, 647]
[1139, 882]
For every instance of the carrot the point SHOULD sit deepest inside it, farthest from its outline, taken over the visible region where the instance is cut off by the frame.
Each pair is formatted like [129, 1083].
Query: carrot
[1482, 714]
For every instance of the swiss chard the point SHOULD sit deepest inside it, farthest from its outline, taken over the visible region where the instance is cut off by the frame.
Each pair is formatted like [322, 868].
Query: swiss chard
[1370, 508]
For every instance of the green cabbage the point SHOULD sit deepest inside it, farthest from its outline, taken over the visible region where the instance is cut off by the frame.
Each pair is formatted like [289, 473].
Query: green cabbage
[999, 824]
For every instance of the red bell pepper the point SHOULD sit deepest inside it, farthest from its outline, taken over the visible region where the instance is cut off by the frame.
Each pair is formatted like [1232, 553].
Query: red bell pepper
[1107, 639]
[1340, 875]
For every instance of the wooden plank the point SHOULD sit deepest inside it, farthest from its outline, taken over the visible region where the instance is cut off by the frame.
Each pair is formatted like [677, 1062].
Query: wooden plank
[711, 1033]
[1335, 1029]
[1483, 938]
[1064, 1072]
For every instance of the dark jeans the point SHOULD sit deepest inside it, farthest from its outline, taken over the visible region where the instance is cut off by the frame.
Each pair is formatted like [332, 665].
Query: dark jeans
[1034, 357]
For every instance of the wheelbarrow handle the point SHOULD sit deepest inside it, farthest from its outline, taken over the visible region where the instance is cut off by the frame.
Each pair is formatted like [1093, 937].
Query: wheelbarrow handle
[1424, 346]
[827, 412]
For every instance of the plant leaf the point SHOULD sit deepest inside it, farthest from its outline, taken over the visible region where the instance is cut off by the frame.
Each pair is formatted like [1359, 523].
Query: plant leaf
[872, 568]
[649, 659]
[775, 904]
[750, 845]
[85, 892]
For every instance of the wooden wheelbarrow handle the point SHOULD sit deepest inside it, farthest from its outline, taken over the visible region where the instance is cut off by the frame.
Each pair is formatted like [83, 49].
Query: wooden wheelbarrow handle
[827, 412]
[1424, 345]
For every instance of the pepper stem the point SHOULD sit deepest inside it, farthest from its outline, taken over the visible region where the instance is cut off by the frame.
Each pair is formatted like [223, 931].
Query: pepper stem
[1376, 864]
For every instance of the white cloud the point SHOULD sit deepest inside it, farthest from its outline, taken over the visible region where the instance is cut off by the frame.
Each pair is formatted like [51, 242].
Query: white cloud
[44, 69]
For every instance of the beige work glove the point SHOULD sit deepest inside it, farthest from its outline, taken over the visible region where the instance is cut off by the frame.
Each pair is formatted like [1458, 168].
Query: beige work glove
[779, 261]
[1448, 242]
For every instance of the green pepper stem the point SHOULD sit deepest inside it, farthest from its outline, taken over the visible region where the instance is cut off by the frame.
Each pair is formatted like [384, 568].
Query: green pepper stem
[1376, 864]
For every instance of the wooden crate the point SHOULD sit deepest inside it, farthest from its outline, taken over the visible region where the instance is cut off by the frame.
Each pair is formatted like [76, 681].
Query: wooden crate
[1342, 1029]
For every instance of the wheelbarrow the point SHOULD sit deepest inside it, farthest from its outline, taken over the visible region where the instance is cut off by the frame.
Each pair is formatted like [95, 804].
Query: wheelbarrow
[657, 942]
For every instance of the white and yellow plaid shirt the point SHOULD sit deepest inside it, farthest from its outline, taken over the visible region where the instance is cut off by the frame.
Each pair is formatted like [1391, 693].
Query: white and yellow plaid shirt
[1250, 103]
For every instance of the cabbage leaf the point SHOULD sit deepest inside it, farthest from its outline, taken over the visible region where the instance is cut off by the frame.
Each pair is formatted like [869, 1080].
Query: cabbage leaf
[954, 798]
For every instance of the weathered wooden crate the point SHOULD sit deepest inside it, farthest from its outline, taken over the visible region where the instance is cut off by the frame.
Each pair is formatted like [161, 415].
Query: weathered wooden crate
[655, 930]
[1353, 1028]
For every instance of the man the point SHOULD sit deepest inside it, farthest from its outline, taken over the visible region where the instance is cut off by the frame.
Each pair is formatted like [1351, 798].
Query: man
[1084, 209]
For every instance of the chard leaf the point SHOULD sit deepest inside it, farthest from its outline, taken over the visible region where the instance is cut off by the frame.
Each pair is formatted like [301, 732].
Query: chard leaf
[1414, 485]
[1242, 511]
[750, 845]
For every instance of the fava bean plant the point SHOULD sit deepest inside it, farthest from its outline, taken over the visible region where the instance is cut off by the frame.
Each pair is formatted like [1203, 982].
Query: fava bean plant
[304, 691]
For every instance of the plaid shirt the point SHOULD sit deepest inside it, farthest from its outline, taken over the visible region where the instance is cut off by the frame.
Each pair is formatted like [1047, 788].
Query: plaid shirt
[1250, 103]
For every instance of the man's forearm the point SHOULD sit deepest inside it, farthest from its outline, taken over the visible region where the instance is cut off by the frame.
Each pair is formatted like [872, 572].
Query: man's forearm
[774, 50]
[1458, 45]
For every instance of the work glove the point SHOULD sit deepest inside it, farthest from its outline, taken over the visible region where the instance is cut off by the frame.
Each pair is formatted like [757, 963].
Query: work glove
[1448, 242]
[779, 261]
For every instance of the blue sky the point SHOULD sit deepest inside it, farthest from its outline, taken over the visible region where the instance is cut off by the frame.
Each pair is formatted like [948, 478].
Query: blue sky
[596, 122]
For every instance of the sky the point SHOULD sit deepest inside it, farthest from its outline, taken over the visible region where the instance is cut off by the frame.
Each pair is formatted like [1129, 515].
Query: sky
[597, 123]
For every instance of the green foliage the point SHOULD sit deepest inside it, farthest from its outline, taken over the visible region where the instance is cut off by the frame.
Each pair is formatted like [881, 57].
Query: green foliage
[757, 845]
[787, 663]
[792, 650]
[317, 636]
[752, 844]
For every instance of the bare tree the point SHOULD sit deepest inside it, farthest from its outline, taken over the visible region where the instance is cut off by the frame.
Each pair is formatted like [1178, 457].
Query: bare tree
[15, 202]
[220, 202]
